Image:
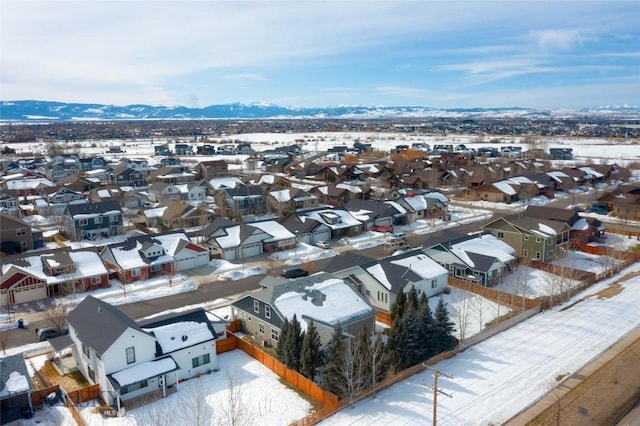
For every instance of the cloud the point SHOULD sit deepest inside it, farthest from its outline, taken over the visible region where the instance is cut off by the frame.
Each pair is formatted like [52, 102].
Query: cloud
[557, 39]
[245, 76]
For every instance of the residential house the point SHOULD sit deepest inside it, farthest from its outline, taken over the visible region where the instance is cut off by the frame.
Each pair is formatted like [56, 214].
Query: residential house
[174, 175]
[280, 238]
[17, 236]
[321, 297]
[380, 281]
[306, 229]
[230, 240]
[532, 238]
[128, 359]
[51, 273]
[123, 174]
[582, 229]
[211, 169]
[377, 213]
[341, 222]
[9, 203]
[15, 389]
[419, 205]
[55, 172]
[286, 200]
[89, 221]
[332, 195]
[241, 202]
[146, 256]
[161, 192]
[27, 186]
[175, 215]
[479, 258]
[91, 163]
[624, 202]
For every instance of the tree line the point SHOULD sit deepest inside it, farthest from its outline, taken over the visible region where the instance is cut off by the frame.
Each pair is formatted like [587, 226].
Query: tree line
[350, 364]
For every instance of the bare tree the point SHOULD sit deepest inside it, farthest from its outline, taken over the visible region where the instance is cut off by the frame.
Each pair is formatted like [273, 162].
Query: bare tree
[463, 308]
[194, 409]
[5, 338]
[234, 408]
[379, 358]
[57, 317]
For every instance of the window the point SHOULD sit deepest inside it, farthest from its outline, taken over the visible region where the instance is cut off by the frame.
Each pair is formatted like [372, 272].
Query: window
[114, 219]
[155, 268]
[134, 386]
[83, 222]
[434, 284]
[256, 306]
[274, 335]
[261, 328]
[92, 374]
[500, 235]
[21, 231]
[525, 253]
[96, 280]
[85, 350]
[538, 255]
[131, 355]
[526, 238]
[267, 311]
[200, 360]
[135, 272]
[97, 220]
[538, 240]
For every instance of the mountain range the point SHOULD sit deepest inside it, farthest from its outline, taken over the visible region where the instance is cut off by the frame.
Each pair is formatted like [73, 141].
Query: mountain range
[44, 111]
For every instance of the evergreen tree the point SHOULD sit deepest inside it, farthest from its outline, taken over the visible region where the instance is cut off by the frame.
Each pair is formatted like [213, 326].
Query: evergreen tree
[294, 344]
[336, 357]
[412, 299]
[397, 310]
[397, 345]
[427, 328]
[310, 358]
[445, 340]
[414, 347]
[281, 349]
[423, 301]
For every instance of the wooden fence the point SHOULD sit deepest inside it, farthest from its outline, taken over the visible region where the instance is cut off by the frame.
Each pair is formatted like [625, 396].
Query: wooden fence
[384, 317]
[506, 299]
[226, 345]
[325, 412]
[85, 394]
[291, 376]
[89, 393]
[38, 396]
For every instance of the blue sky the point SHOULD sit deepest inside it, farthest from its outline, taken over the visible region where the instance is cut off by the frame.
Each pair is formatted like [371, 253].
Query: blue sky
[538, 54]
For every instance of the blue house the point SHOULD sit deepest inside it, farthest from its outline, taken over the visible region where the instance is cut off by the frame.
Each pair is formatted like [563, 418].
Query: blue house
[89, 221]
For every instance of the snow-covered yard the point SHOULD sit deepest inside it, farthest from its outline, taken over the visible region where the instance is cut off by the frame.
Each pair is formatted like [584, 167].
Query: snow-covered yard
[259, 395]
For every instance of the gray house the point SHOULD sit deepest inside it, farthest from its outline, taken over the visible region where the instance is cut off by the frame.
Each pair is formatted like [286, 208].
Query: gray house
[15, 388]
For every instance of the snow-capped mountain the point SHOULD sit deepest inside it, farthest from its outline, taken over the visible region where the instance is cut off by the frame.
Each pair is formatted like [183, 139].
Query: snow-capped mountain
[39, 111]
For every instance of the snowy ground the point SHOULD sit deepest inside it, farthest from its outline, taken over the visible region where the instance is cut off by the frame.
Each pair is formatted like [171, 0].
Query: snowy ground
[497, 378]
[265, 400]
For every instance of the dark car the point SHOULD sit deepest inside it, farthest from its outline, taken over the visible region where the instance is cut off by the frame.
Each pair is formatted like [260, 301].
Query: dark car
[294, 273]
[49, 333]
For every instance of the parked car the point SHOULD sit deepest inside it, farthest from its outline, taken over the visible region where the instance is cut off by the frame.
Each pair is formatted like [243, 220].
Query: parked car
[322, 244]
[46, 333]
[294, 273]
[599, 208]
[382, 228]
[398, 236]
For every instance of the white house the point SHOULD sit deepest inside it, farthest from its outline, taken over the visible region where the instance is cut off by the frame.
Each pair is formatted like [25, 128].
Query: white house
[127, 360]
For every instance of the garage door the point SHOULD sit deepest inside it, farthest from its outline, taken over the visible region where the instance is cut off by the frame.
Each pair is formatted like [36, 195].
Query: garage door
[29, 293]
[322, 235]
[192, 262]
[252, 250]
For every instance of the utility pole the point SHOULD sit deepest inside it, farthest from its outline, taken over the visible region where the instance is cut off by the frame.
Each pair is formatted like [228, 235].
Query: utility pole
[436, 391]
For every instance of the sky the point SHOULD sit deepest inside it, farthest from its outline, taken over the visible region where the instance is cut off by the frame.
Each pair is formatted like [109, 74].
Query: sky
[454, 54]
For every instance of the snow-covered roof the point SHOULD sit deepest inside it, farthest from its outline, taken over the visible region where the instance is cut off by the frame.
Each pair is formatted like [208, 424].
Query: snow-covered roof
[590, 171]
[144, 371]
[422, 265]
[225, 182]
[329, 302]
[232, 239]
[281, 196]
[273, 228]
[87, 264]
[351, 188]
[505, 187]
[377, 272]
[580, 225]
[172, 337]
[397, 206]
[16, 383]
[487, 245]
[346, 219]
[129, 257]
